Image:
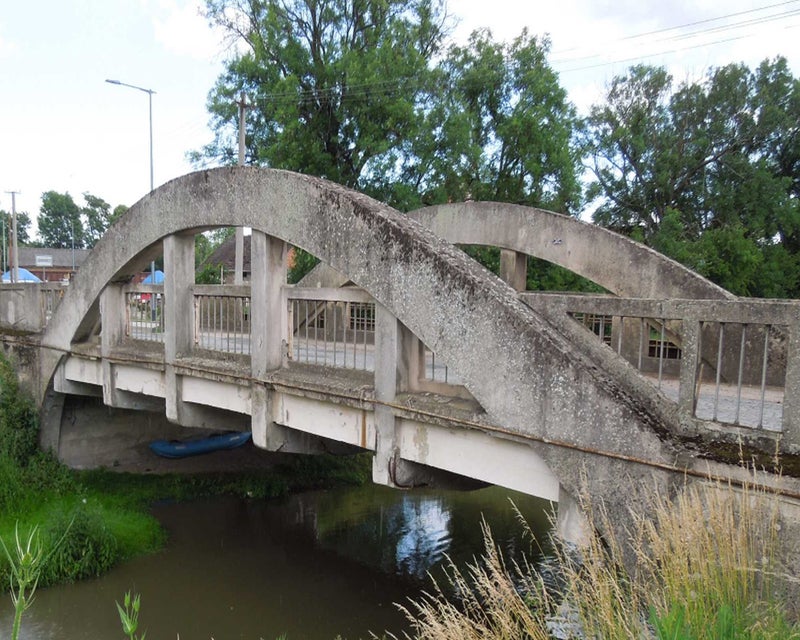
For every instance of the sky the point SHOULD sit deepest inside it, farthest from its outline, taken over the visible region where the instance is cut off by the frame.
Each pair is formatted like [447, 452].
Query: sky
[64, 129]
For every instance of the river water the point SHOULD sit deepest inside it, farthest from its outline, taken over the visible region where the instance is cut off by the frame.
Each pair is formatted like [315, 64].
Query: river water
[311, 566]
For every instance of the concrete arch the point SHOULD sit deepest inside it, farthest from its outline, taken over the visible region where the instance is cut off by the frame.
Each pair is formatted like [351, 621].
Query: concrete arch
[615, 262]
[542, 383]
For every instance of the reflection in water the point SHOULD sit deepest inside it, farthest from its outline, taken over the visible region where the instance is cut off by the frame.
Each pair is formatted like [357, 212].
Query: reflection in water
[311, 566]
[424, 536]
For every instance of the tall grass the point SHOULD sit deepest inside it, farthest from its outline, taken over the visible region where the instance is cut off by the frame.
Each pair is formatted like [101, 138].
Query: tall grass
[706, 568]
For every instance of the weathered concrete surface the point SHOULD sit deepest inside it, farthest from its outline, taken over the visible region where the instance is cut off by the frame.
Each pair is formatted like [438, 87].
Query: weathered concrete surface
[578, 408]
[525, 374]
[616, 263]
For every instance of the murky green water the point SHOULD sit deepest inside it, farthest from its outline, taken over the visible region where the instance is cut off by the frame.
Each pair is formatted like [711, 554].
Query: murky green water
[311, 566]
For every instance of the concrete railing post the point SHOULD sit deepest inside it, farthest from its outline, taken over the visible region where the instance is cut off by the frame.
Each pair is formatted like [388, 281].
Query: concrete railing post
[791, 395]
[112, 312]
[396, 370]
[178, 323]
[268, 330]
[514, 268]
[690, 343]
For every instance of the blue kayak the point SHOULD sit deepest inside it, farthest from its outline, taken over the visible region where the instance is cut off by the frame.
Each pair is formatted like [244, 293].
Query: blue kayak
[186, 448]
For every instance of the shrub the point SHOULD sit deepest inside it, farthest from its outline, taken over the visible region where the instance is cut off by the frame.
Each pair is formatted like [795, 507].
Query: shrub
[88, 548]
[18, 424]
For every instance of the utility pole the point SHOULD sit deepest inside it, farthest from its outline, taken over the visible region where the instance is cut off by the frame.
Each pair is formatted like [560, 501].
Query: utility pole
[238, 273]
[4, 243]
[14, 254]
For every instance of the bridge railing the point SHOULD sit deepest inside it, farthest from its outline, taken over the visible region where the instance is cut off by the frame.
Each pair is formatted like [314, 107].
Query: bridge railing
[332, 327]
[144, 312]
[28, 306]
[723, 361]
[222, 318]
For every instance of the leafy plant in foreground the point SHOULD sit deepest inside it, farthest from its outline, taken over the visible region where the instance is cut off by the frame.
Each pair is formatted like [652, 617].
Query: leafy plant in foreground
[26, 563]
[129, 615]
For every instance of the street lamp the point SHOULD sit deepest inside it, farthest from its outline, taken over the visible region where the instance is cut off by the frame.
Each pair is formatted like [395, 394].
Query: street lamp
[149, 93]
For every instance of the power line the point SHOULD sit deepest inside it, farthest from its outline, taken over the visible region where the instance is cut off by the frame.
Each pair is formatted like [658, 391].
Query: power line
[695, 23]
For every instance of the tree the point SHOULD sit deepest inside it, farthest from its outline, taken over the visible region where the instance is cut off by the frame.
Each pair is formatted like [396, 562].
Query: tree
[23, 226]
[501, 128]
[99, 217]
[706, 172]
[59, 221]
[334, 83]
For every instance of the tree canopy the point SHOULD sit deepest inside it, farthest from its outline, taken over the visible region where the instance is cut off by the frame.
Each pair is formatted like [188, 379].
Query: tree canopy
[59, 221]
[366, 93]
[63, 224]
[334, 84]
[706, 172]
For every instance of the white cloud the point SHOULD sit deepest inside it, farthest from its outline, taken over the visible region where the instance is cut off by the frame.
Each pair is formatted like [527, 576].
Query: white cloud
[7, 47]
[182, 29]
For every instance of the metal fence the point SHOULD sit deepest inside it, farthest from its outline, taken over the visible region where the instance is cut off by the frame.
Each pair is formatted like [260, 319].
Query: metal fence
[144, 313]
[729, 359]
[222, 319]
[332, 332]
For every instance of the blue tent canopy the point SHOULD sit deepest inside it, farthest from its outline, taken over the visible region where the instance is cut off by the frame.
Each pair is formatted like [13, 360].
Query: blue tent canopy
[24, 276]
[159, 278]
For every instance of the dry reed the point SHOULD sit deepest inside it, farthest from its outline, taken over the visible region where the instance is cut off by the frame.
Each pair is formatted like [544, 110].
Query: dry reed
[705, 559]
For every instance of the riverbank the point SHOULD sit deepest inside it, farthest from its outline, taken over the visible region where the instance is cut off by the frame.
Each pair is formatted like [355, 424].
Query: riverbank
[88, 521]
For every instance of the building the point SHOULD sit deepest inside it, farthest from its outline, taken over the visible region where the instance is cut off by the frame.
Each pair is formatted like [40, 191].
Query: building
[51, 265]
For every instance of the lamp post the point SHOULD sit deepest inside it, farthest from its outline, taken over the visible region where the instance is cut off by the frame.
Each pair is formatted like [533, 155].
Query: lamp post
[149, 93]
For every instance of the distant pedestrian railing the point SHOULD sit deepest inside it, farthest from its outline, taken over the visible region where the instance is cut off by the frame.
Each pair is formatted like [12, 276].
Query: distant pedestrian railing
[222, 318]
[144, 312]
[724, 361]
[52, 293]
[332, 327]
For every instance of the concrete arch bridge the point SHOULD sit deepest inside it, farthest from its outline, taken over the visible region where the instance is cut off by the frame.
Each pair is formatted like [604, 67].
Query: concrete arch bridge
[429, 361]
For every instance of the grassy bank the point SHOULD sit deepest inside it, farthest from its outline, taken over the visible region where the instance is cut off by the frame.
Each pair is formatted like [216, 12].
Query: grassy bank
[89, 521]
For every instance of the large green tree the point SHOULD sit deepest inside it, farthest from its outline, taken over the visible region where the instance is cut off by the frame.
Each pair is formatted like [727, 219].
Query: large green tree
[706, 172]
[98, 217]
[23, 226]
[59, 221]
[499, 128]
[335, 84]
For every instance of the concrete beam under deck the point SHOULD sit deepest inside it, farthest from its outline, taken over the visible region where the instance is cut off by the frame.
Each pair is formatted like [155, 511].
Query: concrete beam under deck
[302, 411]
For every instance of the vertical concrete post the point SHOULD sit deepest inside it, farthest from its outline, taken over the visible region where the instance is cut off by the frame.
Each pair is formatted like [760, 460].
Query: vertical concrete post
[690, 345]
[571, 523]
[268, 320]
[791, 397]
[178, 319]
[514, 268]
[410, 361]
[396, 369]
[112, 313]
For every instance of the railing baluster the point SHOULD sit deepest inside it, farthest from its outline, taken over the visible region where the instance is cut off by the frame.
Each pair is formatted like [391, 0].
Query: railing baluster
[764, 377]
[661, 351]
[643, 326]
[719, 370]
[335, 337]
[741, 372]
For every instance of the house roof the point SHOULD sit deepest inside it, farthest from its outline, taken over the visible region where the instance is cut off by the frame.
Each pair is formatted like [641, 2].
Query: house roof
[225, 255]
[62, 258]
